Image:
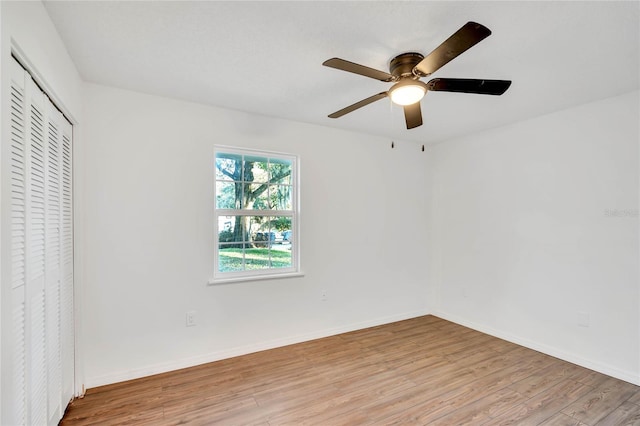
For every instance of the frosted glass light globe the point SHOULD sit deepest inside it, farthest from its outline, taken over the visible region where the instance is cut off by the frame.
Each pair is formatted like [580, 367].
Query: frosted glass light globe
[407, 92]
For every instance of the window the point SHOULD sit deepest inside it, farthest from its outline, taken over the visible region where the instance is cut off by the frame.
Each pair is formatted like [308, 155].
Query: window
[256, 215]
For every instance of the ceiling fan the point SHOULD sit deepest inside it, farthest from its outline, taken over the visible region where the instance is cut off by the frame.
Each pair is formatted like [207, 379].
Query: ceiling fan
[405, 71]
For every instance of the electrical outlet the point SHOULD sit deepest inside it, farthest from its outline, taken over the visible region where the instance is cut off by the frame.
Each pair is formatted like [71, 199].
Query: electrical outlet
[191, 318]
[323, 297]
[583, 319]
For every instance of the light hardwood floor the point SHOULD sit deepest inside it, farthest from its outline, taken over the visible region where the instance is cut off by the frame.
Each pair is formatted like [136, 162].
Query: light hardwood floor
[425, 371]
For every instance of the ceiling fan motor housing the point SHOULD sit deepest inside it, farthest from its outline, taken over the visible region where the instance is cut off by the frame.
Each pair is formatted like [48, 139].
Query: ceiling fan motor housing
[402, 65]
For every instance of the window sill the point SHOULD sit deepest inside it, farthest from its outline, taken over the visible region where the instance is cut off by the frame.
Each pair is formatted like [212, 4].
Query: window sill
[217, 281]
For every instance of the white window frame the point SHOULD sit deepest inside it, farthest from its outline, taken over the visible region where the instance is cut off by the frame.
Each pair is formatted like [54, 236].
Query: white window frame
[268, 273]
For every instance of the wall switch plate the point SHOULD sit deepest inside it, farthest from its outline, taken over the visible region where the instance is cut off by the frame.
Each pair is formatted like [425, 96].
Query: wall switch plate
[191, 318]
[323, 297]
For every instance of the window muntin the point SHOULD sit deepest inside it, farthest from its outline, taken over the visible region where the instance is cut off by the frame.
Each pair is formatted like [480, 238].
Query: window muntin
[255, 214]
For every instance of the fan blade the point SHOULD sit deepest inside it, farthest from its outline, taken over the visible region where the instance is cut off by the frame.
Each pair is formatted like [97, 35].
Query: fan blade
[357, 105]
[466, 37]
[413, 115]
[343, 65]
[469, 85]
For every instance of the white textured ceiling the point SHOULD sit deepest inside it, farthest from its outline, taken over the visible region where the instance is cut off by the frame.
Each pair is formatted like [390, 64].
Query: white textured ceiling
[266, 57]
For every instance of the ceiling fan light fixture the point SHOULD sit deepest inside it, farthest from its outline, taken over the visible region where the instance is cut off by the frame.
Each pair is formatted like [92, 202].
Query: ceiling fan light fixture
[407, 92]
[406, 70]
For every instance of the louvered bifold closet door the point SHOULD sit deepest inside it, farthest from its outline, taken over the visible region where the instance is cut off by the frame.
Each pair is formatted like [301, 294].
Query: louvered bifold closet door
[36, 331]
[67, 341]
[41, 232]
[18, 414]
[53, 219]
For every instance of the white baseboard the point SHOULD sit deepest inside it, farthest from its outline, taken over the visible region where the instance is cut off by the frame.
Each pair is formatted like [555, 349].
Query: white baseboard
[573, 358]
[121, 376]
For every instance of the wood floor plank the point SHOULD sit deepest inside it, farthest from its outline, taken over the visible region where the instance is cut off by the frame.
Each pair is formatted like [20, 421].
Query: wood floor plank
[460, 399]
[627, 414]
[635, 398]
[601, 401]
[561, 419]
[423, 398]
[419, 371]
[480, 410]
[544, 405]
[545, 378]
[321, 410]
[152, 416]
[592, 378]
[250, 416]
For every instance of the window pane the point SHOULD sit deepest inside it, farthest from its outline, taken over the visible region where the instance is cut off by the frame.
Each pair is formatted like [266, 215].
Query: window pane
[228, 166]
[280, 171]
[287, 236]
[225, 229]
[230, 258]
[280, 225]
[281, 251]
[281, 256]
[227, 197]
[256, 169]
[273, 197]
[280, 196]
[257, 258]
[259, 193]
[233, 229]
[260, 232]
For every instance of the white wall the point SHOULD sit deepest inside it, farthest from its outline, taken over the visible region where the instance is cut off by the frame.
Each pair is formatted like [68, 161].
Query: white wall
[535, 226]
[29, 32]
[26, 29]
[149, 194]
